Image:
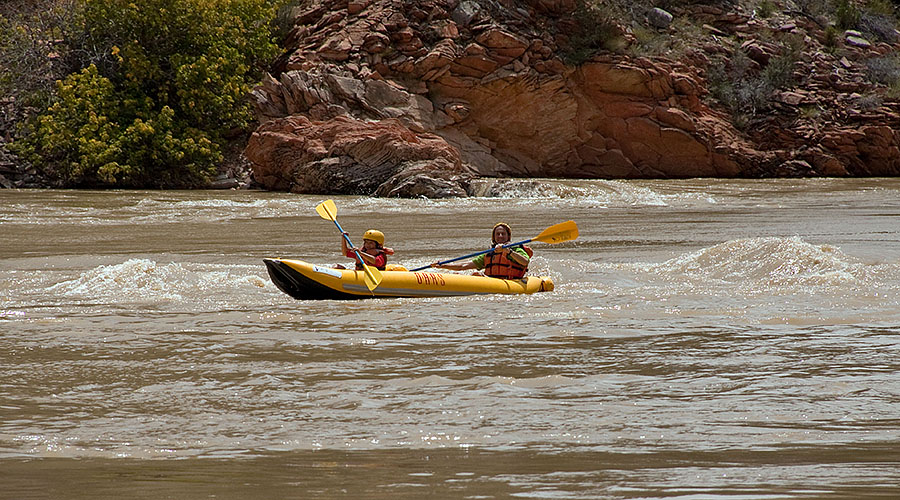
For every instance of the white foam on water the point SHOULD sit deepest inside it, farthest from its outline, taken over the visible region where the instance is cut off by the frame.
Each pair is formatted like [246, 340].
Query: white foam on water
[135, 279]
[140, 208]
[770, 261]
[155, 210]
[586, 193]
[766, 280]
[31, 215]
[769, 266]
[213, 210]
[144, 280]
[550, 193]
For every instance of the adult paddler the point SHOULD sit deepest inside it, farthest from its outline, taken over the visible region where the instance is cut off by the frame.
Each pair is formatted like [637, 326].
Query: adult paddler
[506, 263]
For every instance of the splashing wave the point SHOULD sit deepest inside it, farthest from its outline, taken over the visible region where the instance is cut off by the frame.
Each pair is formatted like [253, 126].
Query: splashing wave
[770, 263]
[586, 192]
[146, 280]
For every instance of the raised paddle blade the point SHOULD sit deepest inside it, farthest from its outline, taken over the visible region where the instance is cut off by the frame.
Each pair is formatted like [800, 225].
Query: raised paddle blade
[373, 277]
[327, 210]
[558, 233]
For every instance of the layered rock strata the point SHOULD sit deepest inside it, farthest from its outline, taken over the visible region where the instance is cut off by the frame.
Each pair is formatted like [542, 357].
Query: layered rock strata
[416, 98]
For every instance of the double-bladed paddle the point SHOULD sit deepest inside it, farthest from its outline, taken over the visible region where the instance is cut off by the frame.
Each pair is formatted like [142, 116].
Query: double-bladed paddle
[557, 233]
[328, 210]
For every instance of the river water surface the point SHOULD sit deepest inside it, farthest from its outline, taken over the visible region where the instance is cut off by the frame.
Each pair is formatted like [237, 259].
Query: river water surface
[706, 339]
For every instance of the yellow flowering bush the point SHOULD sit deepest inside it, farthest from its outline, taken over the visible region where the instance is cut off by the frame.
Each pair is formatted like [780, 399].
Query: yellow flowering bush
[162, 82]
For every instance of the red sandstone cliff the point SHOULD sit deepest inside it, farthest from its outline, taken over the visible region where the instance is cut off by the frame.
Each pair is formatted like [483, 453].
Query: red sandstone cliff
[416, 98]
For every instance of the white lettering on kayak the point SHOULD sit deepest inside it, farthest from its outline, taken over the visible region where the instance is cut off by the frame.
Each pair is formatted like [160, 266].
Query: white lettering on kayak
[328, 271]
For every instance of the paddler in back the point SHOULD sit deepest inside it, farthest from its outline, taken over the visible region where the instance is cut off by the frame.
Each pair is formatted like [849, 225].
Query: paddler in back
[373, 250]
[506, 263]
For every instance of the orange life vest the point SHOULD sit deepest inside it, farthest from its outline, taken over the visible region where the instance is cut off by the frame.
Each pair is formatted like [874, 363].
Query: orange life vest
[497, 265]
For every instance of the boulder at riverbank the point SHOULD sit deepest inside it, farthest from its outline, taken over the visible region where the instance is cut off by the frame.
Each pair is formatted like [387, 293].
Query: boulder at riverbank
[346, 155]
[404, 98]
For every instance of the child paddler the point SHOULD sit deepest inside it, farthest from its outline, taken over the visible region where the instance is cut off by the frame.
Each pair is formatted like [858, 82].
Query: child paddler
[373, 250]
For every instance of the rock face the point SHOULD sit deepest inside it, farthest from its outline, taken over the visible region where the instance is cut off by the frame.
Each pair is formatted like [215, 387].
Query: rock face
[416, 98]
[345, 155]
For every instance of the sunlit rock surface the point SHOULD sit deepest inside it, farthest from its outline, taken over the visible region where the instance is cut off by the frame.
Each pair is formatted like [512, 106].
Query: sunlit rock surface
[416, 98]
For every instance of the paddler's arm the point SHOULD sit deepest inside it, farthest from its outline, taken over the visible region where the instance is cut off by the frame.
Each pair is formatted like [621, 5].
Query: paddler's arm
[476, 263]
[455, 267]
[369, 259]
[344, 248]
[351, 252]
[517, 255]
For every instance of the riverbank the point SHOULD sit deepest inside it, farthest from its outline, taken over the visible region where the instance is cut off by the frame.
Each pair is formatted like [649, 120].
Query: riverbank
[422, 98]
[233, 173]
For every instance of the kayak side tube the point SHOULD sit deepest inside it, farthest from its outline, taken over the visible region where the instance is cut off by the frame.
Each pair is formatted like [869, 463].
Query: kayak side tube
[304, 281]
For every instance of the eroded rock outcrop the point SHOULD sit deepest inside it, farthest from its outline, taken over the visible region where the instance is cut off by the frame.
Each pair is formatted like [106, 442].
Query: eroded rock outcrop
[404, 98]
[345, 155]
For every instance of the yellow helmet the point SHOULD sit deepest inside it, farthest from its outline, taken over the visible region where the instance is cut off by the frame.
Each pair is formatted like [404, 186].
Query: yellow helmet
[374, 235]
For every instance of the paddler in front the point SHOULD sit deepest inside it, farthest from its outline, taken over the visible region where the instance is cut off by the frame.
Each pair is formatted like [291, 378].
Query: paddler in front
[373, 250]
[506, 263]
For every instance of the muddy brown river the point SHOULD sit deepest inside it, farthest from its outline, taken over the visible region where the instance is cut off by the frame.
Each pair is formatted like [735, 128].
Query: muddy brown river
[706, 339]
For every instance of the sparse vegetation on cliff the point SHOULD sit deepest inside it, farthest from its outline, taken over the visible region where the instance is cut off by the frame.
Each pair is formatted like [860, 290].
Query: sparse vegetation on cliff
[739, 84]
[594, 29]
[149, 92]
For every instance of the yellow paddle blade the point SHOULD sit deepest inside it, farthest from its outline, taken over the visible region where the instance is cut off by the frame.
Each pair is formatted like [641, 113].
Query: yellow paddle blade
[327, 210]
[558, 233]
[373, 277]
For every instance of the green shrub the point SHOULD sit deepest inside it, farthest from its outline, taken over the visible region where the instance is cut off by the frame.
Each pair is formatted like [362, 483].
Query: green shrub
[846, 14]
[745, 92]
[284, 18]
[881, 27]
[779, 73]
[164, 81]
[766, 9]
[31, 59]
[88, 138]
[595, 31]
[884, 70]
[831, 38]
[812, 7]
[883, 7]
[76, 134]
[870, 102]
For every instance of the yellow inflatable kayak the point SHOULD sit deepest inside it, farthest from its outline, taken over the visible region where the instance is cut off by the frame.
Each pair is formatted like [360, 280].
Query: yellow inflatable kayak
[305, 281]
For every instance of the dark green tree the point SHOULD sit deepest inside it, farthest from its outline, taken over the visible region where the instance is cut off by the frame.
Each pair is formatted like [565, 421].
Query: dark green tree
[159, 84]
